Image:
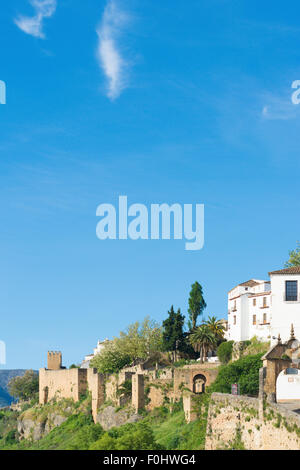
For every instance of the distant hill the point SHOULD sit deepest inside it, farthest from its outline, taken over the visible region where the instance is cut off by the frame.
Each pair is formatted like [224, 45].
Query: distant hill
[5, 377]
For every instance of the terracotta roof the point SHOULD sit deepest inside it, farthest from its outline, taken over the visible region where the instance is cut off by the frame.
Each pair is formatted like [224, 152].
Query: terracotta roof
[291, 270]
[250, 283]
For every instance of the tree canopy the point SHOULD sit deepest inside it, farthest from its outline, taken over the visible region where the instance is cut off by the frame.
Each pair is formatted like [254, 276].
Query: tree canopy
[197, 304]
[24, 387]
[173, 335]
[138, 341]
[294, 259]
[203, 340]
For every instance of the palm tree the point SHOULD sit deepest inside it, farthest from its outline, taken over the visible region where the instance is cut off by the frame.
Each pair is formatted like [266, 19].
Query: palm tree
[216, 327]
[203, 340]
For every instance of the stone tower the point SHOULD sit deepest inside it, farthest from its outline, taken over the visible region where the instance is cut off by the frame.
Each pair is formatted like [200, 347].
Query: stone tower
[54, 360]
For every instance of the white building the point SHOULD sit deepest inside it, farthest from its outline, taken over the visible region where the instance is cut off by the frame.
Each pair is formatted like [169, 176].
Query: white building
[265, 308]
[86, 362]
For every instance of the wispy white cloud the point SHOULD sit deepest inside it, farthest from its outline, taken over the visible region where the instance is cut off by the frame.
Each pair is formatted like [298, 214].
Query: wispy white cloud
[112, 62]
[278, 108]
[34, 25]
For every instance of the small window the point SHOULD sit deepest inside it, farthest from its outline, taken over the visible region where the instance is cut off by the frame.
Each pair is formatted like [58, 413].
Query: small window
[291, 291]
[254, 319]
[234, 319]
[254, 302]
[265, 318]
[265, 301]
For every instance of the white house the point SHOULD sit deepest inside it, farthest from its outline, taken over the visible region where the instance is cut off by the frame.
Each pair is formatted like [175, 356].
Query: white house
[285, 302]
[100, 345]
[265, 308]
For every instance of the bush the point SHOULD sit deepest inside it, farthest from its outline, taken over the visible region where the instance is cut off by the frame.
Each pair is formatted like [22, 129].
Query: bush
[224, 351]
[128, 437]
[25, 387]
[245, 372]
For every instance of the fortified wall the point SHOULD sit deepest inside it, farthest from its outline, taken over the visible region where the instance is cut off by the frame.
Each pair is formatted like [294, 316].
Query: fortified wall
[239, 422]
[151, 385]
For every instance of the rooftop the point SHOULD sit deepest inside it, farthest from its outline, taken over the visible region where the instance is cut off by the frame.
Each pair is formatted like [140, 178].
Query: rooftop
[291, 270]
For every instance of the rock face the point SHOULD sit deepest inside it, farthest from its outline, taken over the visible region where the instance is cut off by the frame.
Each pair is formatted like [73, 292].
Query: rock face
[35, 430]
[110, 418]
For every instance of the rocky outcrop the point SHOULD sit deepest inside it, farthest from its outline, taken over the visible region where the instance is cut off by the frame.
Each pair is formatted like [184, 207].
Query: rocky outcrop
[37, 422]
[111, 418]
[35, 430]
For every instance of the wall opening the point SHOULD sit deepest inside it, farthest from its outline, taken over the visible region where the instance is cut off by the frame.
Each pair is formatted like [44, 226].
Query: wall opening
[199, 382]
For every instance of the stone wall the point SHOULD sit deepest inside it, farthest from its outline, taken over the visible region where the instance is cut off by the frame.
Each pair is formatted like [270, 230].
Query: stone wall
[158, 392]
[72, 383]
[184, 377]
[63, 383]
[236, 422]
[96, 385]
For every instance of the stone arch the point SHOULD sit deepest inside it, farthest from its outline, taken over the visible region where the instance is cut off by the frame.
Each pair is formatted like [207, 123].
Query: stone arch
[199, 381]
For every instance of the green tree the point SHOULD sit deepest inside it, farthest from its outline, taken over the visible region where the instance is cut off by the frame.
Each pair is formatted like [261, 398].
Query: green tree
[138, 341]
[173, 335]
[196, 304]
[244, 371]
[216, 328]
[24, 387]
[224, 351]
[203, 340]
[294, 259]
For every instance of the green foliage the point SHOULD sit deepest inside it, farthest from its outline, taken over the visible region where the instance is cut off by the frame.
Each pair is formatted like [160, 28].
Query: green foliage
[137, 436]
[159, 429]
[173, 433]
[138, 342]
[294, 259]
[173, 336]
[244, 372]
[25, 387]
[203, 340]
[254, 346]
[125, 388]
[196, 304]
[224, 351]
[8, 428]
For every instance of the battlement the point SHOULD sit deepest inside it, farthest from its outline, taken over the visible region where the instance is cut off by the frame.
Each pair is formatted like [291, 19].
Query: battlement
[54, 360]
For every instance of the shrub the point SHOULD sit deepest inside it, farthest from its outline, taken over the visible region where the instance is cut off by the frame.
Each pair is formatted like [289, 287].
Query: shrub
[224, 351]
[128, 437]
[244, 372]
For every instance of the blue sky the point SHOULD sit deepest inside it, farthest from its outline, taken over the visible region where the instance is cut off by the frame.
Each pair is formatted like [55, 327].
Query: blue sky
[160, 101]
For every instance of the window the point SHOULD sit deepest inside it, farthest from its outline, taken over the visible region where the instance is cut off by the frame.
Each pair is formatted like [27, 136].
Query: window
[234, 319]
[254, 319]
[265, 318]
[265, 301]
[254, 302]
[291, 291]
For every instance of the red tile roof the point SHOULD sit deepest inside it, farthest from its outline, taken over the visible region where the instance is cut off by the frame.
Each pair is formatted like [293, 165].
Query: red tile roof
[291, 270]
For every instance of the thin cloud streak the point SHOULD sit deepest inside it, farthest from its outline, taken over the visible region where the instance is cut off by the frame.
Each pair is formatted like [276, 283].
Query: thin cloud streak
[114, 66]
[34, 25]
